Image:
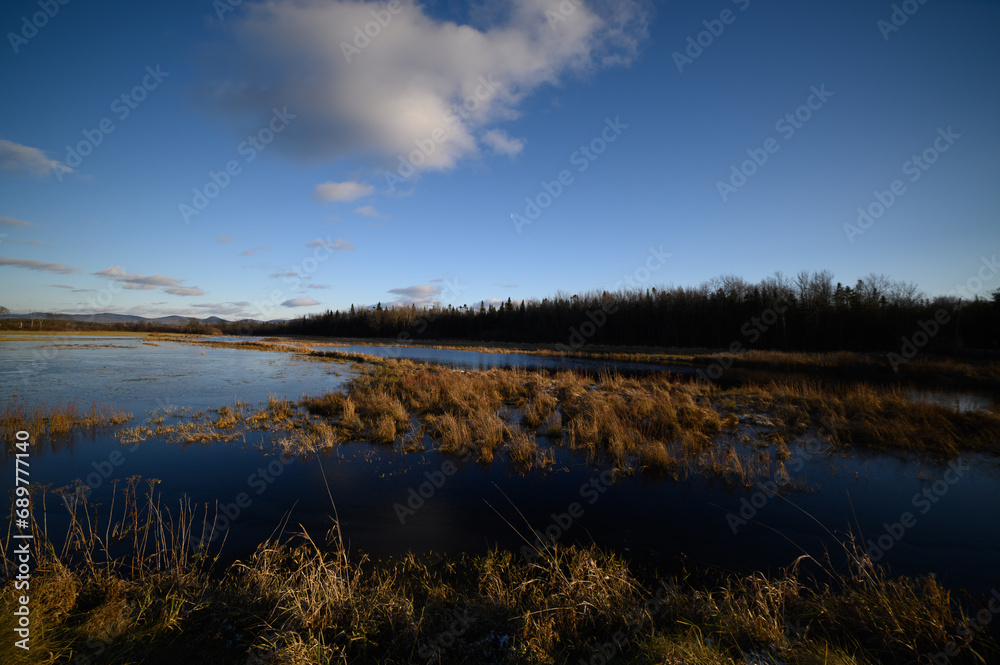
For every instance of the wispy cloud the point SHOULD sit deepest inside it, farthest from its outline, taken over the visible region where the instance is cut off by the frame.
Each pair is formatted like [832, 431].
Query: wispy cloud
[254, 250]
[336, 243]
[341, 191]
[29, 242]
[137, 282]
[317, 286]
[367, 211]
[503, 144]
[411, 85]
[28, 264]
[10, 221]
[221, 309]
[185, 291]
[422, 295]
[299, 302]
[17, 158]
[224, 239]
[60, 286]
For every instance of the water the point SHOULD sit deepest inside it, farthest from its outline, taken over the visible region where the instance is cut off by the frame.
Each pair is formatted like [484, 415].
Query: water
[960, 401]
[478, 360]
[485, 360]
[130, 374]
[389, 503]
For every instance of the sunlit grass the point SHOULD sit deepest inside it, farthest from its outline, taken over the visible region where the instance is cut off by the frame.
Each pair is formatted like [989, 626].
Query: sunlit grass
[55, 420]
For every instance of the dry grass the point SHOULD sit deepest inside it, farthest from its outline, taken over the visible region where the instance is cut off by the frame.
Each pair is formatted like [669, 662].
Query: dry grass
[302, 601]
[862, 415]
[58, 420]
[522, 449]
[936, 370]
[653, 423]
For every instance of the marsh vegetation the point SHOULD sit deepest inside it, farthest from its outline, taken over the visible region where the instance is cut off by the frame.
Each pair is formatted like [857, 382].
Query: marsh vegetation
[132, 585]
[134, 581]
[48, 421]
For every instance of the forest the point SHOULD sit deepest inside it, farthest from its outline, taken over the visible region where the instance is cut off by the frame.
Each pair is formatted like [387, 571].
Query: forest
[809, 312]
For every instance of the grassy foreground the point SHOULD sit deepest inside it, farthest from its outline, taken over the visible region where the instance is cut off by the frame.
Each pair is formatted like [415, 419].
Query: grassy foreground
[297, 601]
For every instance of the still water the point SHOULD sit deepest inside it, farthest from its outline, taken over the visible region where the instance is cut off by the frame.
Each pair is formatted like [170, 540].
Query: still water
[377, 491]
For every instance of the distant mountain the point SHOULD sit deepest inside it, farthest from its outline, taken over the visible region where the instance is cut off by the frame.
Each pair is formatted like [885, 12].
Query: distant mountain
[107, 317]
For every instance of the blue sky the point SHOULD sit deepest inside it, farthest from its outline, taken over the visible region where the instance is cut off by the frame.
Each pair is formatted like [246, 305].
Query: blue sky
[643, 124]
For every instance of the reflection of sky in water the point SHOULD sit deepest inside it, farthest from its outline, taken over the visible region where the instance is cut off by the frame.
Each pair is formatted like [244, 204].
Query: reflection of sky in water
[485, 360]
[953, 400]
[650, 520]
[129, 374]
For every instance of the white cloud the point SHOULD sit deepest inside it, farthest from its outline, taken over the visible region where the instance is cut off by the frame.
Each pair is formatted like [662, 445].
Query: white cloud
[418, 291]
[421, 295]
[503, 144]
[299, 302]
[137, 282]
[367, 211]
[336, 243]
[251, 252]
[17, 158]
[420, 77]
[118, 273]
[341, 191]
[224, 239]
[29, 264]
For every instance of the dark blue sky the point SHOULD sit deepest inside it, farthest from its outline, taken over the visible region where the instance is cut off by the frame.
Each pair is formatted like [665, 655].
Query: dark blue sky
[591, 136]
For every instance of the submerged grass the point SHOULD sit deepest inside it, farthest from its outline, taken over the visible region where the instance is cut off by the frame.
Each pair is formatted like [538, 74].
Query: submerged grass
[135, 586]
[55, 420]
[623, 417]
[862, 415]
[659, 424]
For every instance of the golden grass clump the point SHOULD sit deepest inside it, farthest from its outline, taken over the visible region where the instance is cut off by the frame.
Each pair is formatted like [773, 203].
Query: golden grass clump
[521, 448]
[653, 455]
[538, 410]
[57, 420]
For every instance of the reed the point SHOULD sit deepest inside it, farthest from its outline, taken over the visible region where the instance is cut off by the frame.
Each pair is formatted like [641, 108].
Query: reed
[134, 585]
[55, 420]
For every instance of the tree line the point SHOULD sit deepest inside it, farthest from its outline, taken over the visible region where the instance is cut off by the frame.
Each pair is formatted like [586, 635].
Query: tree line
[809, 312]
